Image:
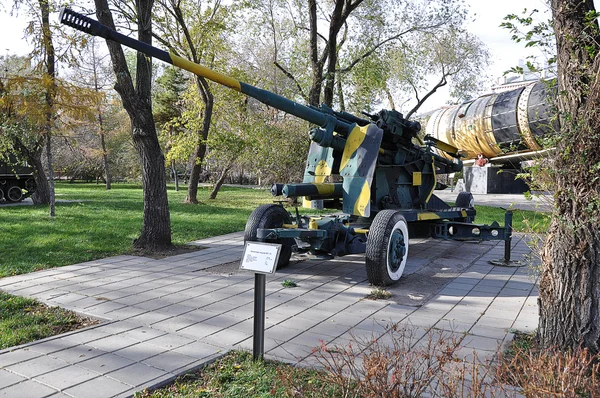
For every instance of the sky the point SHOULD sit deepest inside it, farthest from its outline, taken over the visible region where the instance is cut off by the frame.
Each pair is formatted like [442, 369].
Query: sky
[505, 53]
[488, 15]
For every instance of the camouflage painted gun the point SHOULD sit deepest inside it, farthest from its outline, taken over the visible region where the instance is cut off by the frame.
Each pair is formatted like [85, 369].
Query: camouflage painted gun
[387, 183]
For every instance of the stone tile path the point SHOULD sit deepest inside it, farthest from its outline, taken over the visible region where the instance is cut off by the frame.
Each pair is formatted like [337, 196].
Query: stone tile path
[165, 317]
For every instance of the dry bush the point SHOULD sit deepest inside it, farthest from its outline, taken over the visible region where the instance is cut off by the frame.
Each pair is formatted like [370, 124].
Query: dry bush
[406, 363]
[471, 378]
[551, 373]
[397, 364]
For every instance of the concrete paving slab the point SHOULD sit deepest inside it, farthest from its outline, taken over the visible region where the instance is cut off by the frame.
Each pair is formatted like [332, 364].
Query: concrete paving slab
[137, 374]
[9, 357]
[66, 377]
[100, 387]
[290, 352]
[170, 341]
[27, 389]
[8, 379]
[199, 330]
[140, 352]
[112, 343]
[75, 354]
[169, 361]
[481, 343]
[106, 363]
[37, 366]
[51, 346]
[199, 350]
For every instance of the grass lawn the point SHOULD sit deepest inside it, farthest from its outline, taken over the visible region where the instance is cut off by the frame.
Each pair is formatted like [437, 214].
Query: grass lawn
[101, 223]
[23, 320]
[236, 375]
[523, 220]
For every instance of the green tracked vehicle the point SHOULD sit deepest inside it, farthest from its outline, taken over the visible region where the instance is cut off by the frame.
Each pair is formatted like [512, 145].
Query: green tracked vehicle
[16, 180]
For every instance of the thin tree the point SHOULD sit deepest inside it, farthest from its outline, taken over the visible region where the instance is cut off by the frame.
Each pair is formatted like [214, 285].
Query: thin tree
[168, 109]
[96, 76]
[156, 227]
[50, 94]
[199, 28]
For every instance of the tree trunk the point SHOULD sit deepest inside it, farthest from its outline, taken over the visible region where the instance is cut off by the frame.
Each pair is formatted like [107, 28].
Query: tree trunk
[175, 175]
[197, 157]
[200, 150]
[50, 173]
[192, 192]
[338, 16]
[314, 95]
[570, 282]
[340, 93]
[50, 95]
[100, 121]
[156, 227]
[220, 181]
[334, 27]
[107, 176]
[42, 190]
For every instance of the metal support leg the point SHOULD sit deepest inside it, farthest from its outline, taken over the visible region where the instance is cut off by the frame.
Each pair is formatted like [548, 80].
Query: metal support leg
[258, 347]
[506, 261]
[508, 217]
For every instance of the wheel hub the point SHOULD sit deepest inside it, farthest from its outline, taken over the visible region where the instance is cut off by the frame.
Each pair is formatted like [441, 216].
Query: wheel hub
[397, 250]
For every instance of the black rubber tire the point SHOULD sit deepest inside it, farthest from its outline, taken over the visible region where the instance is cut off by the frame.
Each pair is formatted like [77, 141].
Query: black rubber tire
[379, 272]
[464, 200]
[14, 194]
[270, 216]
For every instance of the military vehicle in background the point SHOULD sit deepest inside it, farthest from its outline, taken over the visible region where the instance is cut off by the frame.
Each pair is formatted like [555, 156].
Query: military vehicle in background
[16, 180]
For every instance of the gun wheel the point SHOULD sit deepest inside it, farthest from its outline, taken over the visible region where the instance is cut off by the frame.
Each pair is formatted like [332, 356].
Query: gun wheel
[14, 194]
[464, 200]
[270, 216]
[387, 248]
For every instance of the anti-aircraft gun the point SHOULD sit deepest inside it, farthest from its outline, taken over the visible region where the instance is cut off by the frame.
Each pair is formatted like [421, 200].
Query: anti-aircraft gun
[386, 192]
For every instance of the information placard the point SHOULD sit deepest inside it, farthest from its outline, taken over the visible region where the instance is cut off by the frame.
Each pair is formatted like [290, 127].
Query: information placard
[260, 257]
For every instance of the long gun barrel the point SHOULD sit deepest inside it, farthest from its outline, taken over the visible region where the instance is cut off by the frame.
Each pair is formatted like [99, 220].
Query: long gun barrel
[314, 116]
[343, 144]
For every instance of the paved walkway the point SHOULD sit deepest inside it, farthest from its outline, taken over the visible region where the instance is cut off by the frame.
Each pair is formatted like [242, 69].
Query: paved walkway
[164, 317]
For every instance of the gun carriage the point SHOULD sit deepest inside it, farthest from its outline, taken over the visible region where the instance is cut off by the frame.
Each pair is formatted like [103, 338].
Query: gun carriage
[368, 168]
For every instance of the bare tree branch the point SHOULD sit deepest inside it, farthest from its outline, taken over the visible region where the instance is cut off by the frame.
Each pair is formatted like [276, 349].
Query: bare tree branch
[344, 36]
[292, 78]
[375, 48]
[389, 39]
[307, 29]
[420, 102]
[165, 43]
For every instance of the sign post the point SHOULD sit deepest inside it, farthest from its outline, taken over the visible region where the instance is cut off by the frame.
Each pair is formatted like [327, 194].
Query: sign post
[258, 338]
[261, 258]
